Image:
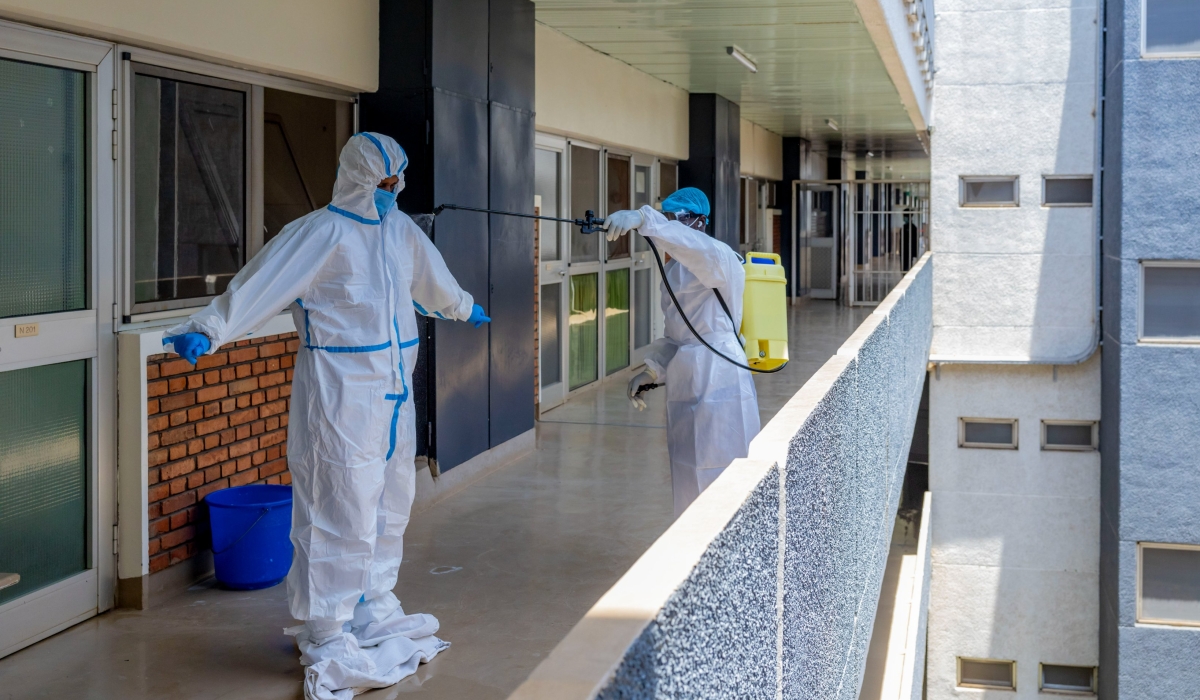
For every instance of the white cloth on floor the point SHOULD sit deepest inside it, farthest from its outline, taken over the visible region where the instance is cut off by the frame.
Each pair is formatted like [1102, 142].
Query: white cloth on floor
[340, 667]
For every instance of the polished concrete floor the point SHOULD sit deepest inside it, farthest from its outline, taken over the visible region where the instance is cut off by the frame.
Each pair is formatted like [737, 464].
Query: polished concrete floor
[508, 565]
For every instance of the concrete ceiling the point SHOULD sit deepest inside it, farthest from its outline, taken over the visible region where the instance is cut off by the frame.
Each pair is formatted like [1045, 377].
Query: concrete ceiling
[815, 59]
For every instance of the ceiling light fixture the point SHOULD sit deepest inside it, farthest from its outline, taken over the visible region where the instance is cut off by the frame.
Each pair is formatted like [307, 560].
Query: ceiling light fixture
[870, 154]
[741, 57]
[832, 124]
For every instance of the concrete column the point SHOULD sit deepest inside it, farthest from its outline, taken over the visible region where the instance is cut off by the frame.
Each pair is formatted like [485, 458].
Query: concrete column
[714, 162]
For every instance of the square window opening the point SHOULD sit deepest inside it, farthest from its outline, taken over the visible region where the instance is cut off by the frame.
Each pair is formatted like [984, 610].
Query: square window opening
[1067, 191]
[303, 137]
[1171, 27]
[988, 433]
[1168, 589]
[1170, 302]
[1061, 679]
[992, 674]
[988, 191]
[1082, 436]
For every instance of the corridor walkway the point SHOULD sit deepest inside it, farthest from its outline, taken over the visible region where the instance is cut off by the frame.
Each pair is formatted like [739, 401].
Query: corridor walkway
[508, 565]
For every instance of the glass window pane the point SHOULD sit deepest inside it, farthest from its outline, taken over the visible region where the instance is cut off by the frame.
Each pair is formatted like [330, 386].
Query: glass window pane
[1073, 679]
[550, 310]
[986, 433]
[1171, 302]
[1170, 585]
[546, 179]
[585, 195]
[989, 192]
[302, 140]
[43, 475]
[619, 197]
[1073, 435]
[43, 189]
[189, 182]
[1172, 26]
[584, 336]
[616, 320]
[641, 318]
[641, 197]
[1068, 191]
[985, 673]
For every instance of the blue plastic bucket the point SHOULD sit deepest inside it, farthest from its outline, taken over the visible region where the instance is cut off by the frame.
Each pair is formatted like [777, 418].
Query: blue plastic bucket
[250, 527]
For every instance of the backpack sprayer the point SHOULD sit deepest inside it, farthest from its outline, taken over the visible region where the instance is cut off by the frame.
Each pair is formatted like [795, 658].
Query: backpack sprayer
[763, 334]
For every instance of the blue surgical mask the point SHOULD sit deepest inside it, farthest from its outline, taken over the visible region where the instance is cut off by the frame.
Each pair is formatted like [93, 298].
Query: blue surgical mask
[384, 201]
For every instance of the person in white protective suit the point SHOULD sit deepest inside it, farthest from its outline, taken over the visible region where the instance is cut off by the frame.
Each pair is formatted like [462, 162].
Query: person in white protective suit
[712, 407]
[351, 275]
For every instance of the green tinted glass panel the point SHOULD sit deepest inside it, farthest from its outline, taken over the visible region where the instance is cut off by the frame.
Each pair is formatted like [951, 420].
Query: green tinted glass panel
[583, 329]
[43, 474]
[189, 187]
[43, 189]
[616, 320]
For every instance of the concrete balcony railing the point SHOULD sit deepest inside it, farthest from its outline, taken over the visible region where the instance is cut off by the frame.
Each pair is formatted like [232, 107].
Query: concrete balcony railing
[768, 585]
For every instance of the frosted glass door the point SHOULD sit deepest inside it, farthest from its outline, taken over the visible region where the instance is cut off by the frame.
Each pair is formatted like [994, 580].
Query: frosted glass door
[43, 475]
[48, 346]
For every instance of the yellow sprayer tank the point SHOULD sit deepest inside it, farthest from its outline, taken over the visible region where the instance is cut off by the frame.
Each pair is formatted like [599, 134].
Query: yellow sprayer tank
[764, 311]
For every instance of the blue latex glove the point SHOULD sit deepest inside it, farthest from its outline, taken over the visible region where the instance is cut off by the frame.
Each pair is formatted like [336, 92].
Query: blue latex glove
[189, 346]
[478, 317]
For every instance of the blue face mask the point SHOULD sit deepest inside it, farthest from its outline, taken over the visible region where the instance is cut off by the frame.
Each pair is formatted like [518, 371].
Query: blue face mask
[384, 201]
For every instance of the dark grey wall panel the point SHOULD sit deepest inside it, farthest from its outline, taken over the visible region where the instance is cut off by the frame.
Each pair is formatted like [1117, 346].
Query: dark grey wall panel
[512, 273]
[714, 160]
[440, 62]
[459, 51]
[510, 46]
[460, 362]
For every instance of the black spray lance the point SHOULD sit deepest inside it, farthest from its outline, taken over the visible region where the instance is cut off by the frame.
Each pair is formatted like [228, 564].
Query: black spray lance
[590, 224]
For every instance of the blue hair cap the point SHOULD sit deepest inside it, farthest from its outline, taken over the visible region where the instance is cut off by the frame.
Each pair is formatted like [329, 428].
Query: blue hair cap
[687, 199]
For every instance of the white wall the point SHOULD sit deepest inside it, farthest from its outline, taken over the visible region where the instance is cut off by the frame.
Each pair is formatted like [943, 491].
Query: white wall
[332, 42]
[1015, 94]
[887, 22]
[762, 152]
[1016, 533]
[588, 95]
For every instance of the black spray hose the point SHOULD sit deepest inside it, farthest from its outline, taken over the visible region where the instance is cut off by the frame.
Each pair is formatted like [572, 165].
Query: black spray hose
[590, 223]
[688, 323]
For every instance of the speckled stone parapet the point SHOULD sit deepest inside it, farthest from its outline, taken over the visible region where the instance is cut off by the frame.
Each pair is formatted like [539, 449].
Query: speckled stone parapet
[843, 477]
[717, 635]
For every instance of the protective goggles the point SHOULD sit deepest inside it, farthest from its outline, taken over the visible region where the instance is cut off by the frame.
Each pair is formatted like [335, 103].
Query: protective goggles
[688, 219]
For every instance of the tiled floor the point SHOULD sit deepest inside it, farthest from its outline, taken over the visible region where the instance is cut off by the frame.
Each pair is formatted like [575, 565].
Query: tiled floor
[507, 565]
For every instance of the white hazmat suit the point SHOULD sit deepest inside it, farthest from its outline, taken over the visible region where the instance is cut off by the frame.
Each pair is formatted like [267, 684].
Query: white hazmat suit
[712, 407]
[351, 283]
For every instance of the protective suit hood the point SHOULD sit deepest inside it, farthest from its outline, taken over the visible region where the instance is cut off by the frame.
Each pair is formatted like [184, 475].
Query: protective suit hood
[367, 158]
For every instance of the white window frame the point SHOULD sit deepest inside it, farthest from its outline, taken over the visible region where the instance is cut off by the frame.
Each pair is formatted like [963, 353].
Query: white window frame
[256, 82]
[1095, 444]
[962, 191]
[1140, 619]
[962, 434]
[959, 679]
[1141, 304]
[1057, 691]
[1052, 205]
[1146, 53]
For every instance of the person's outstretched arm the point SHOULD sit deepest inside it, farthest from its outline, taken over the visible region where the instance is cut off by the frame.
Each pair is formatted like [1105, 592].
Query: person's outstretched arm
[273, 279]
[435, 292]
[711, 261]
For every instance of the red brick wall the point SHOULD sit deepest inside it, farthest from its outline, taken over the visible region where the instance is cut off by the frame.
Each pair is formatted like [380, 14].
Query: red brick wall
[221, 423]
